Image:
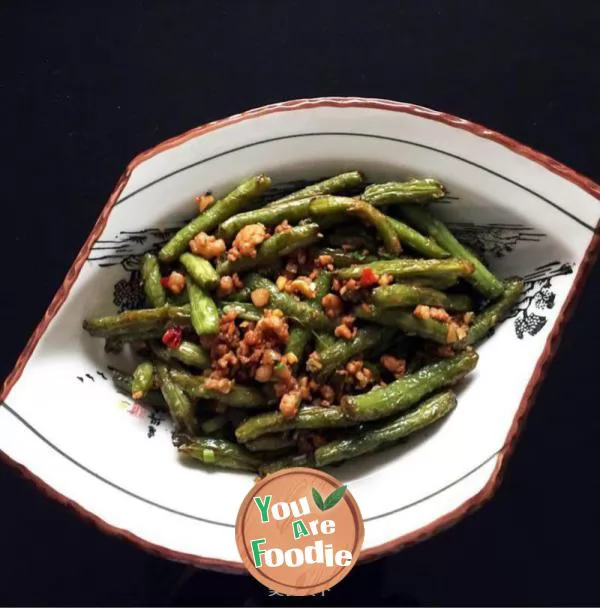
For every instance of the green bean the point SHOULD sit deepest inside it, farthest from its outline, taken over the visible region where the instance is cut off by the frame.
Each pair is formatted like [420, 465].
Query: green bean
[323, 340]
[200, 270]
[398, 294]
[403, 319]
[481, 278]
[274, 248]
[296, 460]
[214, 424]
[331, 220]
[411, 267]
[325, 206]
[143, 379]
[382, 223]
[124, 382]
[272, 215]
[187, 352]
[333, 357]
[204, 312]
[191, 354]
[271, 443]
[240, 295]
[179, 404]
[343, 259]
[217, 213]
[239, 395]
[391, 431]
[322, 288]
[142, 323]
[308, 417]
[408, 390]
[439, 283]
[415, 240]
[493, 313]
[297, 343]
[305, 314]
[412, 191]
[155, 293]
[220, 453]
[243, 310]
[346, 237]
[338, 183]
[392, 342]
[178, 299]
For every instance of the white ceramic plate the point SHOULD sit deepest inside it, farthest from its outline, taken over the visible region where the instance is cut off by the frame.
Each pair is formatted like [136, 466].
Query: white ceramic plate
[64, 425]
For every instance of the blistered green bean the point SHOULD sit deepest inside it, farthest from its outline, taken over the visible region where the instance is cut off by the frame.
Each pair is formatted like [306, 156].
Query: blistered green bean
[155, 292]
[333, 357]
[214, 424]
[308, 417]
[217, 213]
[219, 453]
[201, 270]
[326, 206]
[186, 352]
[141, 323]
[411, 268]
[143, 379]
[412, 191]
[180, 406]
[302, 312]
[275, 247]
[297, 343]
[481, 278]
[322, 288]
[388, 433]
[401, 318]
[124, 382]
[240, 295]
[243, 310]
[338, 183]
[415, 240]
[493, 313]
[204, 312]
[272, 215]
[401, 394]
[271, 443]
[237, 396]
[392, 296]
[343, 259]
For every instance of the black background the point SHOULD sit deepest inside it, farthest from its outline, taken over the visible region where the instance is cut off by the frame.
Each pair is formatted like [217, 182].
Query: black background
[87, 85]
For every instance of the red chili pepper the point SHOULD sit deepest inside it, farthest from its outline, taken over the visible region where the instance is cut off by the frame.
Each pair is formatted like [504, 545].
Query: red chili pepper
[172, 337]
[368, 278]
[164, 281]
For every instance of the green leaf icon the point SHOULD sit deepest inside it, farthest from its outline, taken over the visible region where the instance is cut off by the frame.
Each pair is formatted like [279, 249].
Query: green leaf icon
[318, 499]
[330, 501]
[334, 498]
